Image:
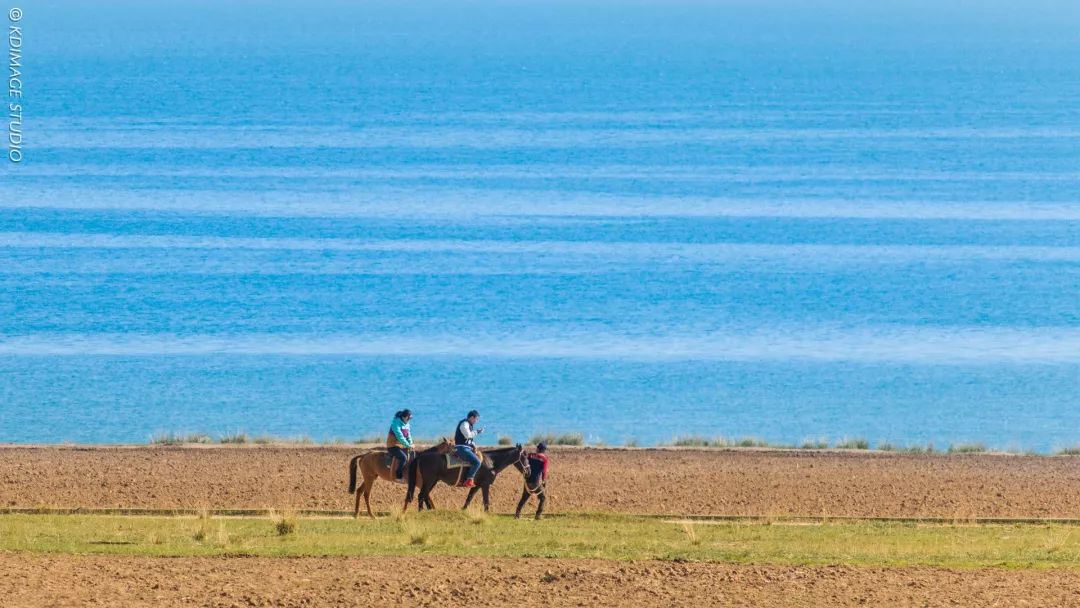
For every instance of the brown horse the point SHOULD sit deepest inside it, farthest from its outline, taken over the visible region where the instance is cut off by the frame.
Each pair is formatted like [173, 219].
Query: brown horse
[428, 469]
[372, 465]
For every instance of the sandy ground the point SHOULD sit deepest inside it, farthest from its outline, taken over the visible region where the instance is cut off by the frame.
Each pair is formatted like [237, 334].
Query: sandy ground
[67, 580]
[684, 482]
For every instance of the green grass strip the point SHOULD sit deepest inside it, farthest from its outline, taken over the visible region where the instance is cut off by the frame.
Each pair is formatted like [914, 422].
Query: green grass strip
[453, 533]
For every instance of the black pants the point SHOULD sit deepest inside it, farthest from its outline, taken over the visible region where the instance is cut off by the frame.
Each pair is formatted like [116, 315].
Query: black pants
[401, 457]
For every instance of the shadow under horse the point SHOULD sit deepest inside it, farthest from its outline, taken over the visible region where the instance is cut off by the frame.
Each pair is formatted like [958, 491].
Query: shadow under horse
[428, 469]
[372, 466]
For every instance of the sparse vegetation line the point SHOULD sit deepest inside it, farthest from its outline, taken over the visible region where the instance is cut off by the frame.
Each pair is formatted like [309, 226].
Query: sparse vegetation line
[749, 519]
[473, 534]
[579, 439]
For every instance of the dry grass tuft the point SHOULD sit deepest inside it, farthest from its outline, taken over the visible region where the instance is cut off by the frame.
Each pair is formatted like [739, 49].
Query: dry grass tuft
[286, 523]
[553, 439]
[204, 524]
[853, 444]
[171, 438]
[691, 534]
[967, 448]
[237, 438]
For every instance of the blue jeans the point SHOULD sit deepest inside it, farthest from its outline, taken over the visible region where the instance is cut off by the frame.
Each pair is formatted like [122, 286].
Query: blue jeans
[466, 453]
[401, 457]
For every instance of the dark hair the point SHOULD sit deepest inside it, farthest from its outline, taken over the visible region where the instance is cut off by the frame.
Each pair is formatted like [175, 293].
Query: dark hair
[541, 447]
[403, 414]
[472, 413]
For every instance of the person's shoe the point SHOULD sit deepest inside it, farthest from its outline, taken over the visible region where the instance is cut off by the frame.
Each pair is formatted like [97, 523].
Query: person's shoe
[469, 484]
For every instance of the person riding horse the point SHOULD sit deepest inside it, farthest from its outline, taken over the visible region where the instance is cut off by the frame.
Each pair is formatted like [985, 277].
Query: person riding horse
[399, 442]
[464, 435]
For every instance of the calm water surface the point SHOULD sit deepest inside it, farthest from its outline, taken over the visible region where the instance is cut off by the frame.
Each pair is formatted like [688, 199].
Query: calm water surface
[634, 220]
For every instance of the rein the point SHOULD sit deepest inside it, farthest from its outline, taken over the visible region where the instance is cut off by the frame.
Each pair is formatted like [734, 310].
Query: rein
[521, 460]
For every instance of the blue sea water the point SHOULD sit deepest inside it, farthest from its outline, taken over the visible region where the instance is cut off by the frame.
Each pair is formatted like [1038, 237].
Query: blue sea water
[636, 220]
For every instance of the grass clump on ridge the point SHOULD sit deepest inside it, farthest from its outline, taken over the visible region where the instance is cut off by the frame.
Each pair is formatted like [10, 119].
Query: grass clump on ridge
[233, 438]
[699, 441]
[853, 444]
[553, 439]
[966, 448]
[691, 441]
[179, 439]
[1070, 451]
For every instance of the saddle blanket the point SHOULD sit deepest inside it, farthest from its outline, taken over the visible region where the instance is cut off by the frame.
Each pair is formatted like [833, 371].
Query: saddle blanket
[454, 461]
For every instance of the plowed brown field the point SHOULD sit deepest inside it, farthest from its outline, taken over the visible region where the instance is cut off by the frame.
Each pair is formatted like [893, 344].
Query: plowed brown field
[32, 581]
[652, 481]
[647, 481]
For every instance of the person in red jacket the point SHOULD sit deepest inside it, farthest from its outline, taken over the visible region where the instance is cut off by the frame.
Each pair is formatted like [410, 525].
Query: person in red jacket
[539, 460]
[536, 481]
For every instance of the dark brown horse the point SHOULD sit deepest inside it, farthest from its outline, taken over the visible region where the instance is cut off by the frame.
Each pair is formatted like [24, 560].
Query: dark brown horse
[429, 469]
[372, 465]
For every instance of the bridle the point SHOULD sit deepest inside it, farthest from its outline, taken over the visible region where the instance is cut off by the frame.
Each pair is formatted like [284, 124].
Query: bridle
[523, 461]
[526, 472]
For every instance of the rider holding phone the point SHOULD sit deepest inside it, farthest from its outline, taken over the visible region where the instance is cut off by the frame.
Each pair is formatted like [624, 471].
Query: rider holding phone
[464, 434]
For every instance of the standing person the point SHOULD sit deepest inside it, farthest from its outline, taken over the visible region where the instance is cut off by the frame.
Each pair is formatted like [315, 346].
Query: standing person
[399, 442]
[538, 464]
[464, 434]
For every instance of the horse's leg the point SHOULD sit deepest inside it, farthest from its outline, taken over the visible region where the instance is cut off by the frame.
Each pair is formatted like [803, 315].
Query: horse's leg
[487, 498]
[425, 494]
[468, 499]
[356, 509]
[427, 499]
[368, 484]
[521, 503]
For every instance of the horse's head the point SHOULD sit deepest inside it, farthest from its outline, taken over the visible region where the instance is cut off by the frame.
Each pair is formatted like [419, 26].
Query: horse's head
[522, 463]
[445, 445]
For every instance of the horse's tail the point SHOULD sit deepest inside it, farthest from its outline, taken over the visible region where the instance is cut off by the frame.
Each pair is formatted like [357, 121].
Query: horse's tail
[353, 464]
[414, 469]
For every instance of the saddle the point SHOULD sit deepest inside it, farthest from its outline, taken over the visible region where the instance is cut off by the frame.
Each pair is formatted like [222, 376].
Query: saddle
[453, 461]
[388, 459]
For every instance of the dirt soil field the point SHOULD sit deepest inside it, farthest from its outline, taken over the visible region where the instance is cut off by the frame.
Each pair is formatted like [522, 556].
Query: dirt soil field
[33, 581]
[647, 481]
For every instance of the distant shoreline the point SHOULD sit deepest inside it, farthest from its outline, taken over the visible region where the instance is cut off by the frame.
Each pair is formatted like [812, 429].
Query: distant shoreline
[205, 441]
